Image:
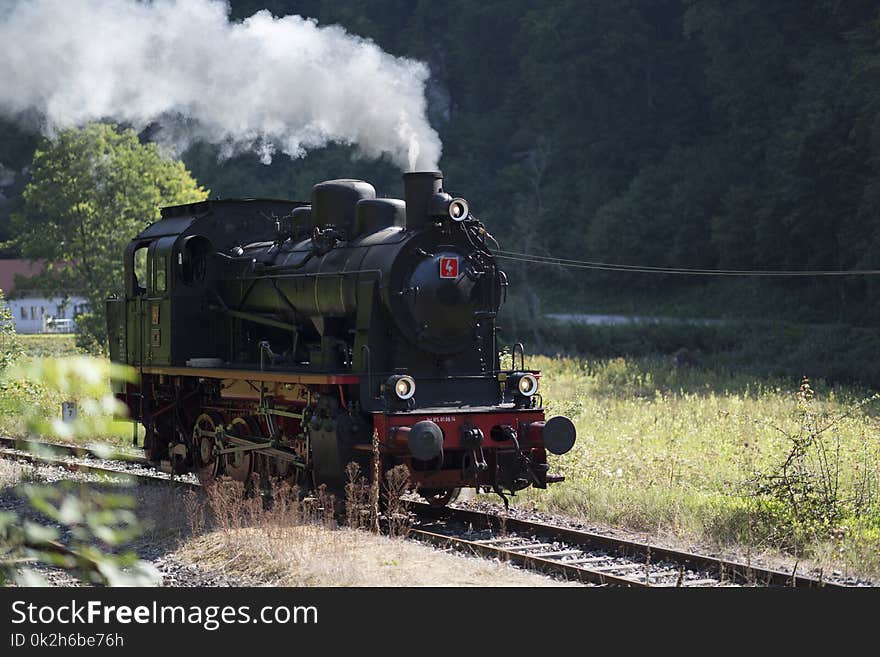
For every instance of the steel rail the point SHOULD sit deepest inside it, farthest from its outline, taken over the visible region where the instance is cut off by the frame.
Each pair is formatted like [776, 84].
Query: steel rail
[724, 570]
[74, 459]
[532, 562]
[38, 446]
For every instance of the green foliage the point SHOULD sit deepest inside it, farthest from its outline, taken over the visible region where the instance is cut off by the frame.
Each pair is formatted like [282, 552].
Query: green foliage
[76, 378]
[666, 133]
[803, 496]
[97, 523]
[834, 352]
[43, 345]
[687, 133]
[91, 190]
[9, 343]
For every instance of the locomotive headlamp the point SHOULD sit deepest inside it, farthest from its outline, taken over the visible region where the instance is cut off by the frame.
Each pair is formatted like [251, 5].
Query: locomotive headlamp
[402, 385]
[458, 209]
[527, 385]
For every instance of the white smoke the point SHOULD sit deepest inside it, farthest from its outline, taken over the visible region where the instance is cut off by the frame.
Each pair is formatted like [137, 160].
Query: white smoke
[264, 84]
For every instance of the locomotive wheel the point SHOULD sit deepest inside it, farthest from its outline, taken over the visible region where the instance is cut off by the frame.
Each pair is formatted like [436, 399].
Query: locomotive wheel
[206, 463]
[239, 465]
[440, 497]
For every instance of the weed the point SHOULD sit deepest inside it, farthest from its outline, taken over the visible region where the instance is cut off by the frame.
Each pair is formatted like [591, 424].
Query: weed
[397, 485]
[358, 509]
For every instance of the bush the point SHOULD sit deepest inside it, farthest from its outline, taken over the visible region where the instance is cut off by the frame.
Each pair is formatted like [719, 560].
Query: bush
[804, 496]
[10, 346]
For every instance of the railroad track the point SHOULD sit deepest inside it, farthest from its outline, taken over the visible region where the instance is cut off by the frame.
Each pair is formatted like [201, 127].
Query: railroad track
[100, 461]
[589, 557]
[576, 555]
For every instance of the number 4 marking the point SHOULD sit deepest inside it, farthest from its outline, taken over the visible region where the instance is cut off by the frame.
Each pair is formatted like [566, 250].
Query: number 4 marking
[448, 267]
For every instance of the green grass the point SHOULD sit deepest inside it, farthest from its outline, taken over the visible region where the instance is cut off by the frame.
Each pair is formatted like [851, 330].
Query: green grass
[18, 397]
[48, 345]
[683, 449]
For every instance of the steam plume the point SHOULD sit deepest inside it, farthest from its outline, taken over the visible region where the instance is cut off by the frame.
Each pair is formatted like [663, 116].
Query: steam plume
[265, 84]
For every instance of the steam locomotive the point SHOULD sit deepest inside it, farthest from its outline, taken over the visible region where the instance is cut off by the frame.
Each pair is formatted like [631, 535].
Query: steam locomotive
[289, 339]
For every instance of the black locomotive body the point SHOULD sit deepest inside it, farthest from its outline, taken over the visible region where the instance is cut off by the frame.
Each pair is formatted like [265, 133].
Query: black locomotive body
[291, 338]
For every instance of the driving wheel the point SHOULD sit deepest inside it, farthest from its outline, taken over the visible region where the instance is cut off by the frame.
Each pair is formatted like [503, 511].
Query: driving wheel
[239, 465]
[204, 441]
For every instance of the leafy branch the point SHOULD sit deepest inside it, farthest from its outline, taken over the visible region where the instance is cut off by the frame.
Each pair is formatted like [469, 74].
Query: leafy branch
[72, 526]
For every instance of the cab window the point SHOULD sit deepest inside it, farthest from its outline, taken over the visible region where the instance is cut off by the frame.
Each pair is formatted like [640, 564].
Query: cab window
[140, 270]
[160, 267]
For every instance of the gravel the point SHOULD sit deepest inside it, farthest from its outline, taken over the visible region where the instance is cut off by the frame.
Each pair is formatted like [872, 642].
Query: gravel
[124, 467]
[157, 552]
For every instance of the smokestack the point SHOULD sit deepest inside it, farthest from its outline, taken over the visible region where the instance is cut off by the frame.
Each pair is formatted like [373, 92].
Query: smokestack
[419, 188]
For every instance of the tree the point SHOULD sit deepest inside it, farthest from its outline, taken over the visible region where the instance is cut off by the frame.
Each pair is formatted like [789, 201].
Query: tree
[689, 133]
[91, 190]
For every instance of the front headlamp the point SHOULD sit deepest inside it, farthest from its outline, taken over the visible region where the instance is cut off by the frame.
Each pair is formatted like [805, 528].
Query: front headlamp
[526, 385]
[458, 209]
[402, 386]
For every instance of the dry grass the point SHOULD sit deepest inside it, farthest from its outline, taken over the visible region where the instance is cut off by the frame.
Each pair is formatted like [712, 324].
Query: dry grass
[13, 472]
[296, 542]
[230, 532]
[312, 555]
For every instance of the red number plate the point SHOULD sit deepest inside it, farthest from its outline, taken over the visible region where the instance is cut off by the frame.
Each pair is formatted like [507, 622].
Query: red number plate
[448, 267]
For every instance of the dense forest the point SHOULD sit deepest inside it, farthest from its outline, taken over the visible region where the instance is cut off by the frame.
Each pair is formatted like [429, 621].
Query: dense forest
[738, 134]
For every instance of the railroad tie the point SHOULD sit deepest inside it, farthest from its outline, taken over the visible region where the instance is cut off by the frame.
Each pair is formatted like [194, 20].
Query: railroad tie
[500, 539]
[626, 566]
[532, 546]
[575, 562]
[559, 553]
[701, 582]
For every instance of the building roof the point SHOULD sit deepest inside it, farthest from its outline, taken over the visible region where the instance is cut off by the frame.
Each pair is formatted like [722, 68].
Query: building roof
[9, 267]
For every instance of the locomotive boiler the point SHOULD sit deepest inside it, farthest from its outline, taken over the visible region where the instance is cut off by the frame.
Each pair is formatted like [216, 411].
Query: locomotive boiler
[289, 339]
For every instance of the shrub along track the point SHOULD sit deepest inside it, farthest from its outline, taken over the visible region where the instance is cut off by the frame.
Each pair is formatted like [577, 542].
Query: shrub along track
[564, 552]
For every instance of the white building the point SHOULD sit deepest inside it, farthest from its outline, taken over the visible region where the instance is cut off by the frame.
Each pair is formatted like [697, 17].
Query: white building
[45, 314]
[34, 311]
